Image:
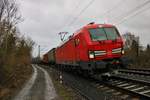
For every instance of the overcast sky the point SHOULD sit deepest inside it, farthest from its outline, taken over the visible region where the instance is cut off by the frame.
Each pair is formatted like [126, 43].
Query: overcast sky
[44, 19]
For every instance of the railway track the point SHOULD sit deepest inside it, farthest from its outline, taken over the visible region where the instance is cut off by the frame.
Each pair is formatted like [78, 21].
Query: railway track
[141, 69]
[131, 82]
[143, 72]
[125, 85]
[134, 87]
[91, 90]
[80, 92]
[116, 88]
[134, 83]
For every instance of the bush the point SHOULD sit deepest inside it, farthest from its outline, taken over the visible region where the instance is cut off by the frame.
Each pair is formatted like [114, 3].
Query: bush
[140, 57]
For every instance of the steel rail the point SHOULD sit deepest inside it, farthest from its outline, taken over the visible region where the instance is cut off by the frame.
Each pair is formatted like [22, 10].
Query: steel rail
[134, 93]
[139, 72]
[128, 80]
[140, 69]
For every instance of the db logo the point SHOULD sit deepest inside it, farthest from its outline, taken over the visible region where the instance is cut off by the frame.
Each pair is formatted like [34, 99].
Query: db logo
[77, 42]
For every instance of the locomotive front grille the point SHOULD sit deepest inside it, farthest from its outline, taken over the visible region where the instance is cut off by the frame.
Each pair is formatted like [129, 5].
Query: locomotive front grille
[118, 50]
[99, 53]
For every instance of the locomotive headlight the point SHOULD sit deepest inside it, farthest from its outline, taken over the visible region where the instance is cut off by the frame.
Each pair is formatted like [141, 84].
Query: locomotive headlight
[122, 52]
[91, 54]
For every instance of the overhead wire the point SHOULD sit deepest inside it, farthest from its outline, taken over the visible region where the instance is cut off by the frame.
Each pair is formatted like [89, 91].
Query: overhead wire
[67, 24]
[80, 13]
[132, 11]
[114, 7]
[86, 7]
[133, 15]
[110, 10]
[76, 7]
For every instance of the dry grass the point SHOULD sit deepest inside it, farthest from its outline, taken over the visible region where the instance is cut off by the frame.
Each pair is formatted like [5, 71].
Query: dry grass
[14, 82]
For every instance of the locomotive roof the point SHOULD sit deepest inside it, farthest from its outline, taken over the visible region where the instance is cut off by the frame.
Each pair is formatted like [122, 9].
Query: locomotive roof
[92, 25]
[88, 26]
[97, 25]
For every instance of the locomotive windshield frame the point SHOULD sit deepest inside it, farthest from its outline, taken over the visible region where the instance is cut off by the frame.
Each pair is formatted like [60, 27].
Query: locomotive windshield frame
[104, 33]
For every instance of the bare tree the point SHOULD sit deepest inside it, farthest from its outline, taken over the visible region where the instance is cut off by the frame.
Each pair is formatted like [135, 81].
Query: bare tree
[9, 12]
[9, 18]
[15, 51]
[2, 7]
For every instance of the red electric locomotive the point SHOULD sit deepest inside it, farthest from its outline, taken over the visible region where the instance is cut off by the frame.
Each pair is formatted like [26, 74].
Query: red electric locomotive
[92, 48]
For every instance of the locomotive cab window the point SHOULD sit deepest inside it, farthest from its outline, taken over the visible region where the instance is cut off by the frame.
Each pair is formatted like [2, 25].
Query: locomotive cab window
[99, 34]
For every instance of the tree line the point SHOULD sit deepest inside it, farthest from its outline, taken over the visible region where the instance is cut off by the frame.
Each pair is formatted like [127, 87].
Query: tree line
[139, 55]
[15, 49]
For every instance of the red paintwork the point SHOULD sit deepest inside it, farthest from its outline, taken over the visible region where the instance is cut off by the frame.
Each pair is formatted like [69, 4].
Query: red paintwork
[69, 53]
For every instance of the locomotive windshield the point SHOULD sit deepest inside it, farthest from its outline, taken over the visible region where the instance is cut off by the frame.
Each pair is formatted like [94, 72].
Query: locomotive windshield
[99, 34]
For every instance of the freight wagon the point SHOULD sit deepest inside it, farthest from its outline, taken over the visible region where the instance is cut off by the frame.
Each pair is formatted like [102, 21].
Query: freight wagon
[51, 56]
[45, 58]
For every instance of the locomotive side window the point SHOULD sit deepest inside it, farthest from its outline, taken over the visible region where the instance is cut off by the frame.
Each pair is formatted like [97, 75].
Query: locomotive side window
[99, 34]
